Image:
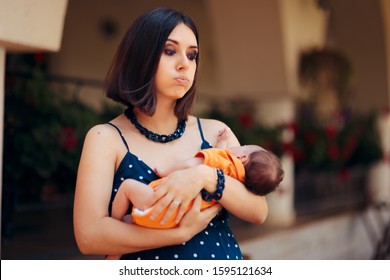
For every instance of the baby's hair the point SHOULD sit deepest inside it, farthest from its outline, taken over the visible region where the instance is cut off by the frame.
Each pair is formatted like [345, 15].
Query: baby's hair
[263, 172]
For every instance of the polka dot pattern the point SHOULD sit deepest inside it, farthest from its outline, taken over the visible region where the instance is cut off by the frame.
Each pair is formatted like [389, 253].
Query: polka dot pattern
[215, 242]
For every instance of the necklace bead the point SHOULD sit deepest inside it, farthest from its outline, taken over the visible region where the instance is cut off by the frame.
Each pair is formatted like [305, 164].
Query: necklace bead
[159, 138]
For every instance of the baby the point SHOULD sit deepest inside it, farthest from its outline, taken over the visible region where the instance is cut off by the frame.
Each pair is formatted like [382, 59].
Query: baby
[260, 171]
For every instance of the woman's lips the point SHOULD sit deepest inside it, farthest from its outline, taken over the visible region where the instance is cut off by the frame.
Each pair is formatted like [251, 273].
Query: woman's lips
[182, 81]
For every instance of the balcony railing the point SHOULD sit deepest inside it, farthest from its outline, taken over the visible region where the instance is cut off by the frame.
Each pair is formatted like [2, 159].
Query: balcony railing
[329, 191]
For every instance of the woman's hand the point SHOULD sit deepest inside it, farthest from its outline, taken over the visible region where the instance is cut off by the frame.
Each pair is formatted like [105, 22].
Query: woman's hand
[176, 191]
[196, 220]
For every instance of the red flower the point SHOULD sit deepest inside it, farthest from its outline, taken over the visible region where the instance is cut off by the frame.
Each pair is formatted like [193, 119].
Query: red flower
[333, 152]
[288, 148]
[245, 119]
[350, 147]
[298, 155]
[331, 132]
[291, 126]
[68, 139]
[344, 174]
[310, 137]
[39, 58]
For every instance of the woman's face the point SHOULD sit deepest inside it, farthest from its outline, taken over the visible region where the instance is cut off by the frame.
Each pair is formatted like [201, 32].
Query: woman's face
[177, 66]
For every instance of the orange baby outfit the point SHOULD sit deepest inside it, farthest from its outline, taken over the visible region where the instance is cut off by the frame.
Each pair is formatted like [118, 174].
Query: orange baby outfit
[218, 158]
[223, 159]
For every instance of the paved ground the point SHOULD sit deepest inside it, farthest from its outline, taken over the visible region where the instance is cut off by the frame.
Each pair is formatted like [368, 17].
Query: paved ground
[41, 234]
[46, 233]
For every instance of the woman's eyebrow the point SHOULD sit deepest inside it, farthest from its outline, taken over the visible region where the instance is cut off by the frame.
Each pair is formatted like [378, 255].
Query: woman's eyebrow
[177, 43]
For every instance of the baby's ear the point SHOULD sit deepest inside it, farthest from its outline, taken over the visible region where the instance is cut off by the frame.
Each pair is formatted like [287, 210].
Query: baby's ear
[244, 159]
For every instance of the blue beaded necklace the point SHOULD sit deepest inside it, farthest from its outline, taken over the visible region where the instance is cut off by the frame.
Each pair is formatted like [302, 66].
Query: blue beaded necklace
[160, 138]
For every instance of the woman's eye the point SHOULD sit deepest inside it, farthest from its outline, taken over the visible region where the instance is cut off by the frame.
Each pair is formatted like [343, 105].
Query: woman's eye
[169, 51]
[192, 55]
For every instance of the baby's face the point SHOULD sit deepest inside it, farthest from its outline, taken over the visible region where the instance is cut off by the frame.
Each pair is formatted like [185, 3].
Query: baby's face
[245, 150]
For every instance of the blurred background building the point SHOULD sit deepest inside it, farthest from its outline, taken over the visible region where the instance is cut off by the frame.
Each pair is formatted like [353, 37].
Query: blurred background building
[308, 79]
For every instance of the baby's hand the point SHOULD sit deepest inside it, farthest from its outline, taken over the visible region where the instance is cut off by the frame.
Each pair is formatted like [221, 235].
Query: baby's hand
[224, 133]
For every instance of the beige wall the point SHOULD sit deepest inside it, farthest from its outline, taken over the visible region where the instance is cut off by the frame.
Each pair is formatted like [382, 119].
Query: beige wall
[258, 44]
[250, 48]
[27, 25]
[303, 27]
[85, 51]
[247, 50]
[385, 6]
[360, 34]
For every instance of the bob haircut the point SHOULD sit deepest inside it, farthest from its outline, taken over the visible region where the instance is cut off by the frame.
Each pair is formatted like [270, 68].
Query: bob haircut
[130, 78]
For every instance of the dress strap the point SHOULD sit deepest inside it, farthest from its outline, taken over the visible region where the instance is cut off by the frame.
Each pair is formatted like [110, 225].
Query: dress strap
[121, 135]
[205, 144]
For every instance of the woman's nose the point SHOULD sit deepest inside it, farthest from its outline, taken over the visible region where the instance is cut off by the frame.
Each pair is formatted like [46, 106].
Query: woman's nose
[183, 62]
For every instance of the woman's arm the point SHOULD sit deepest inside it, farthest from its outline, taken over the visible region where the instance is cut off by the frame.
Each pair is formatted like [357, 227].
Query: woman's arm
[236, 198]
[95, 231]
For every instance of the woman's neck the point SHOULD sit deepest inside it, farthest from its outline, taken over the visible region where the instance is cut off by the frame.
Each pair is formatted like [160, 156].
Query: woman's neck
[162, 121]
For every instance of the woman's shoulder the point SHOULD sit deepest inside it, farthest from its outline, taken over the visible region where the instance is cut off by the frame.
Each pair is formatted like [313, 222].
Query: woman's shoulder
[102, 133]
[212, 127]
[106, 130]
[103, 129]
[212, 124]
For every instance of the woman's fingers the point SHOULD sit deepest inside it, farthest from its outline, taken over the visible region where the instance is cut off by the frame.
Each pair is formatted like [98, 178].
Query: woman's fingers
[161, 205]
[196, 219]
[172, 197]
[197, 203]
[159, 193]
[212, 211]
[176, 210]
[175, 205]
[182, 210]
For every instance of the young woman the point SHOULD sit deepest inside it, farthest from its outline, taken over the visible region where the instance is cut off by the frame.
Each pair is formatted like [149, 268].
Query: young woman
[154, 75]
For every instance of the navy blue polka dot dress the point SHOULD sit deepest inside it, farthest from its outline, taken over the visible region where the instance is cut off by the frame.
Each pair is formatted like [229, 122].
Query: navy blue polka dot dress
[216, 242]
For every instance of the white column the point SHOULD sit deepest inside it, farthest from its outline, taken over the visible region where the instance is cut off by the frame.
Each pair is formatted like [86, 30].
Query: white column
[280, 202]
[379, 173]
[281, 210]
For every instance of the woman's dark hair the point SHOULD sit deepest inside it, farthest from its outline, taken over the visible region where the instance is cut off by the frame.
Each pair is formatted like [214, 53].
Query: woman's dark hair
[130, 79]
